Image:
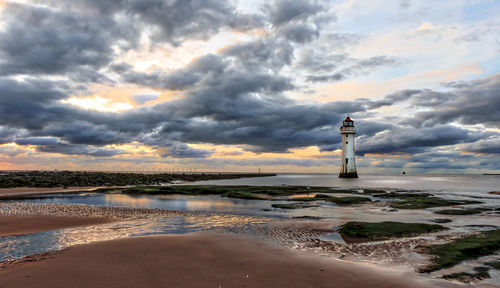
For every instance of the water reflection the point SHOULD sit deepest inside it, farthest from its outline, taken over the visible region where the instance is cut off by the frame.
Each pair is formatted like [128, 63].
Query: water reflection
[125, 200]
[435, 183]
[17, 247]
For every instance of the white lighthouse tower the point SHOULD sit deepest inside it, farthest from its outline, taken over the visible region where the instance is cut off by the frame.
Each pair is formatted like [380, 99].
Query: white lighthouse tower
[348, 165]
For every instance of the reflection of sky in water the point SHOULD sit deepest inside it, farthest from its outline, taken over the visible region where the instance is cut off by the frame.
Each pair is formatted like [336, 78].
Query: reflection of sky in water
[206, 204]
[16, 247]
[434, 183]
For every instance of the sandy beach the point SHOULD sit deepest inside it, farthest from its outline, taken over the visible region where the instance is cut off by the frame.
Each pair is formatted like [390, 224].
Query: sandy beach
[20, 225]
[193, 260]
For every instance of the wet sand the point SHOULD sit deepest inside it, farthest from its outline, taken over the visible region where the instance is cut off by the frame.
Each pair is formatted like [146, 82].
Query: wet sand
[14, 225]
[194, 260]
[23, 191]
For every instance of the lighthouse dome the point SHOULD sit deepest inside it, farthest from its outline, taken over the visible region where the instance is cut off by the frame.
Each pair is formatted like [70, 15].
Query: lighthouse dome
[348, 122]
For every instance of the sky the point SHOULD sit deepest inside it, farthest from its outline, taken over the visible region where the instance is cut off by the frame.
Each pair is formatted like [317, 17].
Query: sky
[220, 85]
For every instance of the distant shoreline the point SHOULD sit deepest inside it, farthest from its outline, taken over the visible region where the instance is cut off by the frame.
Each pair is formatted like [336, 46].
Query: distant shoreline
[65, 179]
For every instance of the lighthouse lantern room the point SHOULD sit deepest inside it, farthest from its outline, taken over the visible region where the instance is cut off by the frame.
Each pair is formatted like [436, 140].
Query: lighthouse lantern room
[348, 165]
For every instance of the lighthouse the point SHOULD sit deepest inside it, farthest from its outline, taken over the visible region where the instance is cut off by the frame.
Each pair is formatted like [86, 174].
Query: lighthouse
[348, 165]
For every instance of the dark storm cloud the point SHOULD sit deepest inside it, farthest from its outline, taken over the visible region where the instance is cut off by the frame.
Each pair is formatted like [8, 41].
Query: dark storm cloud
[181, 150]
[178, 20]
[237, 109]
[69, 39]
[229, 107]
[29, 103]
[402, 140]
[48, 41]
[470, 103]
[262, 54]
[476, 102]
[53, 145]
[484, 146]
[394, 98]
[285, 11]
[79, 132]
[247, 109]
[300, 33]
[31, 89]
[169, 21]
[179, 79]
[7, 135]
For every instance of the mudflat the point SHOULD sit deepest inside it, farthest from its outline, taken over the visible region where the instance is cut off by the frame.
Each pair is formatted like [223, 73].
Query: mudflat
[194, 260]
[23, 191]
[20, 225]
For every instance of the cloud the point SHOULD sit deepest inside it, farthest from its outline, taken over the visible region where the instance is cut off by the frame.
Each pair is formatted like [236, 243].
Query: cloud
[8, 134]
[300, 33]
[79, 132]
[141, 99]
[181, 150]
[180, 79]
[403, 140]
[262, 54]
[172, 22]
[26, 104]
[469, 103]
[53, 145]
[285, 11]
[475, 102]
[360, 66]
[313, 60]
[484, 146]
[175, 21]
[50, 41]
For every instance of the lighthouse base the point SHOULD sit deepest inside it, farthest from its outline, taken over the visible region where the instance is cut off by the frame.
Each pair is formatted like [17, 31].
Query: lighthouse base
[349, 175]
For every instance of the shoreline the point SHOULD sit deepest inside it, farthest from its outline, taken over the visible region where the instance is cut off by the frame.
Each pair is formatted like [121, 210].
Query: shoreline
[199, 259]
[49, 179]
[6, 193]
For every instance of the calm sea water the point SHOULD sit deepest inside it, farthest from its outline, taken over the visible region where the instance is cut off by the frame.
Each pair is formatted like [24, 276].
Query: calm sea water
[435, 183]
